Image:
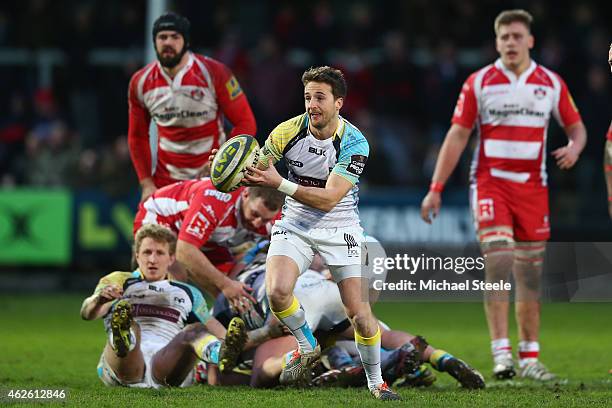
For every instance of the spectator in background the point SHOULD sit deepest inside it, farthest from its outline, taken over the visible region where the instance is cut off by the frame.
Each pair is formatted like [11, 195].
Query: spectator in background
[187, 95]
[273, 83]
[48, 159]
[13, 130]
[116, 175]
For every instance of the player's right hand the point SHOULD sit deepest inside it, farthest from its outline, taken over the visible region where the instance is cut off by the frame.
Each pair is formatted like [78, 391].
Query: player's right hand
[108, 293]
[238, 295]
[430, 207]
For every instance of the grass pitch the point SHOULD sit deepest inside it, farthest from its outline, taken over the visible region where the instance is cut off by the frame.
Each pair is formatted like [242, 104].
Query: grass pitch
[45, 345]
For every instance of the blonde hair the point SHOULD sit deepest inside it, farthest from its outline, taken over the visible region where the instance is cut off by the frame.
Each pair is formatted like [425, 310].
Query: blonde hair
[156, 233]
[507, 17]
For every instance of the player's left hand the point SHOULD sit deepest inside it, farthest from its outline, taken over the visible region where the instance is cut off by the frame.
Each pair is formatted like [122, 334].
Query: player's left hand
[263, 178]
[566, 156]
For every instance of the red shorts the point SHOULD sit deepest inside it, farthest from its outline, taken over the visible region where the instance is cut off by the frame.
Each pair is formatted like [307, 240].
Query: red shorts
[524, 208]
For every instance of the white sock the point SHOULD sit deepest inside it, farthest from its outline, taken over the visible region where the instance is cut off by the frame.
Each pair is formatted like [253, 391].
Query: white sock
[295, 319]
[501, 350]
[529, 352]
[369, 351]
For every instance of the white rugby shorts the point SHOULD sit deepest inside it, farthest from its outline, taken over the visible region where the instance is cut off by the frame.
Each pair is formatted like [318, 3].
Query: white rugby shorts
[339, 247]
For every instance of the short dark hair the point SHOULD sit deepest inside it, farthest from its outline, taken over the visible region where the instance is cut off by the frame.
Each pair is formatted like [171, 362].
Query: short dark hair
[328, 75]
[272, 198]
[513, 16]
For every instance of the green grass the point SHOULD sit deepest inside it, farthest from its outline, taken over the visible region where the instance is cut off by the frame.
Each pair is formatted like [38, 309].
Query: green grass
[44, 344]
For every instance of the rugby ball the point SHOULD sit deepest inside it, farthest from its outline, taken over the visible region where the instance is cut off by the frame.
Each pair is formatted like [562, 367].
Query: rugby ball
[231, 160]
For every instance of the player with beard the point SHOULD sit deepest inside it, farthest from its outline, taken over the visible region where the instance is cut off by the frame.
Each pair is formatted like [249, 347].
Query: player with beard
[188, 96]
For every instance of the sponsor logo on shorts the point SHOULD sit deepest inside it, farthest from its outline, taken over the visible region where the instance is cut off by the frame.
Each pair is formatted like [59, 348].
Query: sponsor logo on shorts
[486, 211]
[357, 164]
[351, 245]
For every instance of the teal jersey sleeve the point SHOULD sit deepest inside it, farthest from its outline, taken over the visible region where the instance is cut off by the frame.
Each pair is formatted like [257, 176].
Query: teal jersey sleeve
[354, 152]
[199, 308]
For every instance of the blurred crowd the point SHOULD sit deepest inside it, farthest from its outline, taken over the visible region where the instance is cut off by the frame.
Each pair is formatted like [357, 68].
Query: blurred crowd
[405, 62]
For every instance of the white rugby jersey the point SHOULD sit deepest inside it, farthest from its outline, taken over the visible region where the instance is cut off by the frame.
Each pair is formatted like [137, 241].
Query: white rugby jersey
[310, 162]
[511, 116]
[162, 308]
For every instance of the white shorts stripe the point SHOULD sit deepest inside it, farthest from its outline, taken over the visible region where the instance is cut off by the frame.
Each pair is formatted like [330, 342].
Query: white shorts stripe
[519, 177]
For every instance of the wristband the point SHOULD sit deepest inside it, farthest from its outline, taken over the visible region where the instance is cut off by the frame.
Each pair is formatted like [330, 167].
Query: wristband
[436, 187]
[287, 187]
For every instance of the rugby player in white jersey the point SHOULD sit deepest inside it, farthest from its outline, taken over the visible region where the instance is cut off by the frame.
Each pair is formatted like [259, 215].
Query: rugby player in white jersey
[325, 155]
[151, 341]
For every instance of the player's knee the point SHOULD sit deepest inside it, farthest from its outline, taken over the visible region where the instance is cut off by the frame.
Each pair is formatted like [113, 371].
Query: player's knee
[529, 258]
[497, 245]
[279, 295]
[190, 334]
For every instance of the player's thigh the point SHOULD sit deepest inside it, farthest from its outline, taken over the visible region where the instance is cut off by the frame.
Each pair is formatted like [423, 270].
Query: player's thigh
[341, 248]
[281, 275]
[289, 255]
[173, 362]
[530, 213]
[490, 211]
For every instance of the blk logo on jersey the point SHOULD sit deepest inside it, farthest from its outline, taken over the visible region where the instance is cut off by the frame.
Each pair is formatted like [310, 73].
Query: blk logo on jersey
[357, 164]
[486, 211]
[316, 150]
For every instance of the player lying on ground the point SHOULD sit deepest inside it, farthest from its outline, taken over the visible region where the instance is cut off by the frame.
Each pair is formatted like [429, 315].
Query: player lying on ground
[151, 341]
[326, 316]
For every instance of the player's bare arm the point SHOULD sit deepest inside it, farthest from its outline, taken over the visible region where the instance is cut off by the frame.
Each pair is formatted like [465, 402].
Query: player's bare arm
[568, 155]
[98, 304]
[454, 144]
[205, 275]
[324, 199]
